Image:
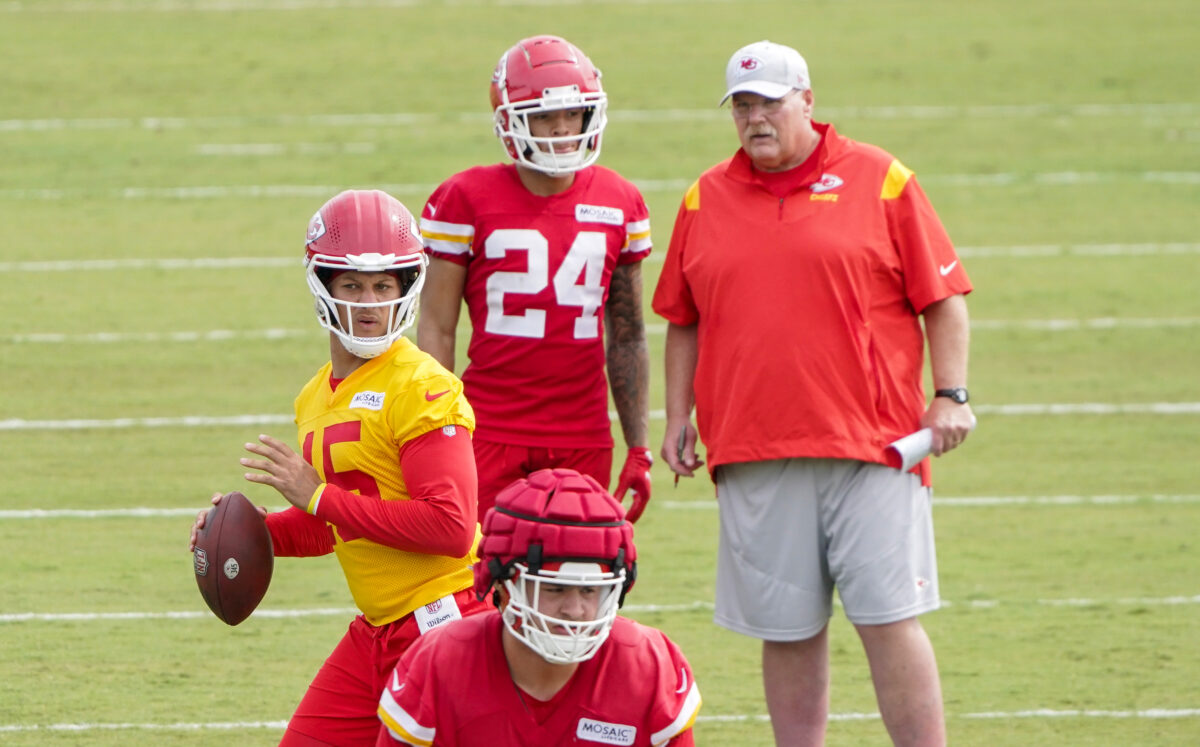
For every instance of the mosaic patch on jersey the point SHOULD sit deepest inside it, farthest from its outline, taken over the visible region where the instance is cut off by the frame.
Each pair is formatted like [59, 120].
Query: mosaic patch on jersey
[599, 214]
[603, 732]
[367, 401]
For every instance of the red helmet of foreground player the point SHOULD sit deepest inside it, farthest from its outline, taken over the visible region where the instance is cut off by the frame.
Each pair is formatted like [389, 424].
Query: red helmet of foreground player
[367, 231]
[541, 74]
[560, 528]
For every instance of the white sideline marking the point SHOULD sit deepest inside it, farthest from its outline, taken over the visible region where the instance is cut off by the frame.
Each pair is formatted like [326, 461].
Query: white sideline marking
[134, 263]
[187, 421]
[714, 114]
[257, 191]
[212, 335]
[705, 505]
[41, 617]
[223, 263]
[205, 421]
[228, 335]
[976, 501]
[283, 149]
[1145, 713]
[971, 502]
[226, 6]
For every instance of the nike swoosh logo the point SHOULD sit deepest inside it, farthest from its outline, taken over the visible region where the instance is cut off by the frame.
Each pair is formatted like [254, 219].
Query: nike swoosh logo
[431, 397]
[945, 269]
[683, 674]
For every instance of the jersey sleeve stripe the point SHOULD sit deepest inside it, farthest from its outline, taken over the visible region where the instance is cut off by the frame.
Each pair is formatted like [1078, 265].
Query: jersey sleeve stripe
[451, 247]
[895, 181]
[442, 229]
[637, 246]
[638, 228]
[683, 722]
[403, 726]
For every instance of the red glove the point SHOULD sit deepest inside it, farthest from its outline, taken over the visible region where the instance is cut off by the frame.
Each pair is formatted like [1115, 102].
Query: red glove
[635, 476]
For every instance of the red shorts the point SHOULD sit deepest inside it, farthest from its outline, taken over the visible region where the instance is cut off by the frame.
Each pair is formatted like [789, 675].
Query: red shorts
[500, 464]
[340, 706]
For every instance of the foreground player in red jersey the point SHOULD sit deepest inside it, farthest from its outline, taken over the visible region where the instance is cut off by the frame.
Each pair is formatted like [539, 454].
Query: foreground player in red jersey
[556, 665]
[386, 479]
[538, 249]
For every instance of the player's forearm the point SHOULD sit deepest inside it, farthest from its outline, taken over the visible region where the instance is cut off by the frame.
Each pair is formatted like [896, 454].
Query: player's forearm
[628, 356]
[296, 534]
[435, 525]
[437, 341]
[629, 378]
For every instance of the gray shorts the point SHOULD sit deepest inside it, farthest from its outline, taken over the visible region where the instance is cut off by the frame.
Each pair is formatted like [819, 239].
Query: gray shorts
[793, 529]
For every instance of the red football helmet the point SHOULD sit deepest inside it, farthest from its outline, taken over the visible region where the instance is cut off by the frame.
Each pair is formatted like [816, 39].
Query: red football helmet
[367, 231]
[540, 74]
[557, 528]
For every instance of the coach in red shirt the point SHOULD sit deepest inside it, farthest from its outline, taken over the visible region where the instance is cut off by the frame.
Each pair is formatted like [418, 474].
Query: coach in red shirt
[793, 285]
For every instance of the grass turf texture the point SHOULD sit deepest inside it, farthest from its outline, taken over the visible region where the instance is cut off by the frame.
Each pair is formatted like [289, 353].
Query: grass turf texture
[1029, 124]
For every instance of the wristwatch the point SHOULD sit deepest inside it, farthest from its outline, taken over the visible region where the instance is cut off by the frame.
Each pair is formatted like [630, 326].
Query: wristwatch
[958, 394]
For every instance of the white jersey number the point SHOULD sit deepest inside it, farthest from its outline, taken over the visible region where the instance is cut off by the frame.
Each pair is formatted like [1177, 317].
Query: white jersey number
[586, 258]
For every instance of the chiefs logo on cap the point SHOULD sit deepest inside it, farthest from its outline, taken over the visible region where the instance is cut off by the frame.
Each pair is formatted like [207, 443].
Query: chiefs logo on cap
[749, 64]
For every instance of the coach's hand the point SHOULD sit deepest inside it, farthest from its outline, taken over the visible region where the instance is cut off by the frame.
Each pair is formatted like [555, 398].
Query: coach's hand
[635, 476]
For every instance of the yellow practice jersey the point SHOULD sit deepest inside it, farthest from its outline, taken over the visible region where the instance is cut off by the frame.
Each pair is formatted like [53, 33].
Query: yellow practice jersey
[352, 437]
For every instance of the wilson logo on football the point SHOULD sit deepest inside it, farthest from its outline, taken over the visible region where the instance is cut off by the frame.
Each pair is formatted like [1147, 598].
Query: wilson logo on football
[200, 562]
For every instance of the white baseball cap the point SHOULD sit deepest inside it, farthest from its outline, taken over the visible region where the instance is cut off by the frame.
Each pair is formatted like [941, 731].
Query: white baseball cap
[766, 68]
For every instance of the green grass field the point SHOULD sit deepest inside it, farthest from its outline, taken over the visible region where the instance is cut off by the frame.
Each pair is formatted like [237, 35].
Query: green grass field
[161, 159]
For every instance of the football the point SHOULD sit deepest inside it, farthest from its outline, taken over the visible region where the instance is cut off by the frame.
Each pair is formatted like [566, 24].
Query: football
[233, 559]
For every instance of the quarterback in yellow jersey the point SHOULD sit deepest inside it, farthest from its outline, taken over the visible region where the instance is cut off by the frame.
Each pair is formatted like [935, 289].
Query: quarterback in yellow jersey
[385, 477]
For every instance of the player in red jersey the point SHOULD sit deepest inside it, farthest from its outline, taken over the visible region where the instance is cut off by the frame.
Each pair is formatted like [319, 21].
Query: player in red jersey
[386, 479]
[555, 665]
[538, 249]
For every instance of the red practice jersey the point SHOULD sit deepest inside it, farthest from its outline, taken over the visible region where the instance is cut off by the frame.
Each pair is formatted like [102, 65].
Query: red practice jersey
[538, 271]
[453, 689]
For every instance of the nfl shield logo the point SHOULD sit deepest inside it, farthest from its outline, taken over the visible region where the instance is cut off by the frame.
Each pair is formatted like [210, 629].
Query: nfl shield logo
[433, 607]
[200, 562]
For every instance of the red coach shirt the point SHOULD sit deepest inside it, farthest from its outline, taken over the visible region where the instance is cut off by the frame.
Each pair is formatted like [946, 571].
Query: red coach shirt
[807, 303]
[538, 271]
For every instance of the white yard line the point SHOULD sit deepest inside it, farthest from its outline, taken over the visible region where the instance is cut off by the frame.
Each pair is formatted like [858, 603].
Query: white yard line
[694, 606]
[1035, 713]
[652, 186]
[231, 6]
[229, 335]
[145, 512]
[1024, 251]
[713, 114]
[207, 421]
